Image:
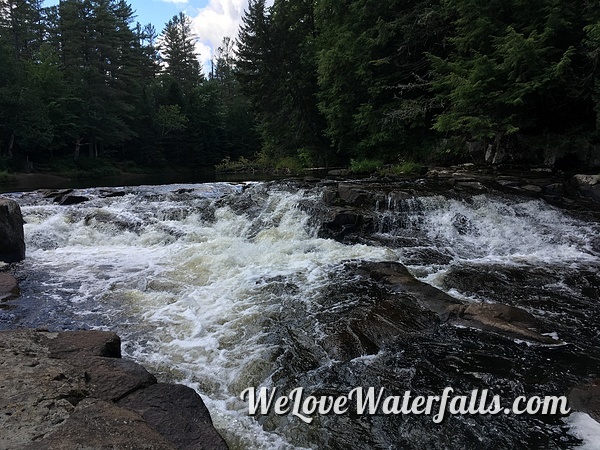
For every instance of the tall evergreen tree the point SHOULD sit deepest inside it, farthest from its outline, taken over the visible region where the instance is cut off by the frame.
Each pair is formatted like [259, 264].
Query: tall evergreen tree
[277, 71]
[512, 69]
[177, 50]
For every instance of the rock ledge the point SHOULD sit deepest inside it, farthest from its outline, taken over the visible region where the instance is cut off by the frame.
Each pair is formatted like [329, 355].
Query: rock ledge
[72, 390]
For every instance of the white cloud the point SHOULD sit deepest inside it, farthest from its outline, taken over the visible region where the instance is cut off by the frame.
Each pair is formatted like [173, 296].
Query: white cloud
[220, 18]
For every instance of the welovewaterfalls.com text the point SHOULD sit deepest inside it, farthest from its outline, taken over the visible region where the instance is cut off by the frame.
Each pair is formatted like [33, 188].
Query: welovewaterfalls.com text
[374, 401]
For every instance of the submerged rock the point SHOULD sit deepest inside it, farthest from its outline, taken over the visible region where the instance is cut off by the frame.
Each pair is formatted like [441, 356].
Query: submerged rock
[60, 391]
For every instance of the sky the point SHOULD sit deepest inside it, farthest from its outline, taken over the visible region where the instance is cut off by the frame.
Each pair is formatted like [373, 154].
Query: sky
[211, 19]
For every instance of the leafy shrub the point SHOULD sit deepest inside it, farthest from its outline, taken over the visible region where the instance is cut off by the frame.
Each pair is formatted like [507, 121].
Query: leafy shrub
[365, 165]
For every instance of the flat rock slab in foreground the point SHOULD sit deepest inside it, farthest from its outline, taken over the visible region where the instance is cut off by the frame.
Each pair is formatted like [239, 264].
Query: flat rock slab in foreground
[71, 390]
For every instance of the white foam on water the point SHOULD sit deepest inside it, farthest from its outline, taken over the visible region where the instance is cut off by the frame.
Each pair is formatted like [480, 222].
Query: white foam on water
[583, 427]
[488, 229]
[194, 300]
[196, 296]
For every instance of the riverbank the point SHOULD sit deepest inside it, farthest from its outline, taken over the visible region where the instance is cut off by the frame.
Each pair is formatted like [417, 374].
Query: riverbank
[72, 390]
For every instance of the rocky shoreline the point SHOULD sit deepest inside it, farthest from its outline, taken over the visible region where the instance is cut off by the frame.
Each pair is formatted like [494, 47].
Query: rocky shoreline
[72, 390]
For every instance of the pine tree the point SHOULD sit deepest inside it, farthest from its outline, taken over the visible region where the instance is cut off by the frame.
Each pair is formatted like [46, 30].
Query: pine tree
[177, 49]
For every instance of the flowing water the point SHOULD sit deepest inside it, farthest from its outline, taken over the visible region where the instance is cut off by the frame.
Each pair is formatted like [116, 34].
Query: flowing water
[228, 286]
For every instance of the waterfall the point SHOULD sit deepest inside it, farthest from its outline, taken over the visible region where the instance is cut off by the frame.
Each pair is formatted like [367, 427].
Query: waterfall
[228, 286]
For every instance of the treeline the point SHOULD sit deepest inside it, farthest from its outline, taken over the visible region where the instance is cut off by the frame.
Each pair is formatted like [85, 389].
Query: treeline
[442, 80]
[81, 80]
[306, 83]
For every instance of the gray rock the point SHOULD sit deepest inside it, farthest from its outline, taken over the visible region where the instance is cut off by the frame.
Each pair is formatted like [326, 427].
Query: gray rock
[56, 394]
[113, 378]
[186, 412]
[101, 425]
[589, 186]
[9, 287]
[37, 393]
[77, 344]
[589, 180]
[12, 239]
[586, 398]
[71, 200]
[503, 319]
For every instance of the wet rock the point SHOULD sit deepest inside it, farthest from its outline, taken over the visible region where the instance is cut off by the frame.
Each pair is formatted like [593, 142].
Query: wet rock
[589, 186]
[355, 195]
[12, 239]
[343, 221]
[556, 189]
[532, 188]
[503, 319]
[71, 200]
[386, 316]
[463, 225]
[120, 222]
[55, 394]
[587, 180]
[65, 197]
[586, 398]
[186, 411]
[54, 194]
[9, 287]
[400, 280]
[507, 320]
[105, 193]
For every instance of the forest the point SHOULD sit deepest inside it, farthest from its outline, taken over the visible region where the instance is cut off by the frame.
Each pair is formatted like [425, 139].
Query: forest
[305, 83]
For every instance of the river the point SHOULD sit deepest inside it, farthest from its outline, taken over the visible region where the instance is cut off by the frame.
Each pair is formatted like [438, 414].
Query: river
[225, 286]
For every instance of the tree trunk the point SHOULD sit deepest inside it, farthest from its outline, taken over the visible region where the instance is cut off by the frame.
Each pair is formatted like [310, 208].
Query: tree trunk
[11, 145]
[77, 147]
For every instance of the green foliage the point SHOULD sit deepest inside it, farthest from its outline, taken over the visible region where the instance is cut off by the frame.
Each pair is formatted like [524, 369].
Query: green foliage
[178, 51]
[365, 165]
[404, 168]
[512, 68]
[240, 165]
[6, 177]
[307, 83]
[289, 164]
[83, 167]
[169, 118]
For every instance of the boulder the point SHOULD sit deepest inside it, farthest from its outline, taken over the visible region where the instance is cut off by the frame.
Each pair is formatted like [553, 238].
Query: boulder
[9, 287]
[77, 344]
[112, 379]
[186, 412]
[71, 390]
[502, 319]
[12, 238]
[71, 200]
